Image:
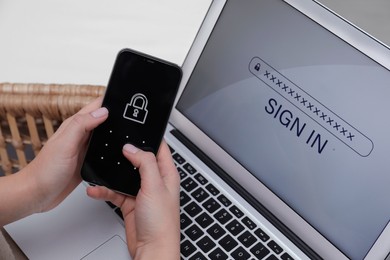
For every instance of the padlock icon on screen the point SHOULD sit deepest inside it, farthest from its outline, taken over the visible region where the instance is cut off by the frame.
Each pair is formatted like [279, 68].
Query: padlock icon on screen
[137, 110]
[257, 66]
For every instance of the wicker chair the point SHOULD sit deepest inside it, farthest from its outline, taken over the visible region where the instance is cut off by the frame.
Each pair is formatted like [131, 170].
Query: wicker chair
[31, 113]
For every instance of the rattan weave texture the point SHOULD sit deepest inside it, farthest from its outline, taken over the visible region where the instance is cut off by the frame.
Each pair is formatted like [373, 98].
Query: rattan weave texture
[31, 113]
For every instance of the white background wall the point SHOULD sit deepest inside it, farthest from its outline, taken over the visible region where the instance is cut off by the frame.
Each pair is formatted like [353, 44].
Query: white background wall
[76, 41]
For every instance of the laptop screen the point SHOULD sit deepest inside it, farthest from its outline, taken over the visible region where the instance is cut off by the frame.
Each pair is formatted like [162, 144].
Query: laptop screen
[304, 112]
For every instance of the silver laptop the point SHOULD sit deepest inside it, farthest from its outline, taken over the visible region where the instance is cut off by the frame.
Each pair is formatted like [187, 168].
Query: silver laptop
[280, 135]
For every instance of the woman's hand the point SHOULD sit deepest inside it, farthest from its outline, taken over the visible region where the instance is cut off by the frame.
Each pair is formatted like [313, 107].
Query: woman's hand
[152, 219]
[56, 169]
[55, 172]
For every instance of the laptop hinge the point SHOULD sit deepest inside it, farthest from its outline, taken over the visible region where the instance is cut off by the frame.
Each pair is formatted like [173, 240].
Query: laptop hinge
[249, 198]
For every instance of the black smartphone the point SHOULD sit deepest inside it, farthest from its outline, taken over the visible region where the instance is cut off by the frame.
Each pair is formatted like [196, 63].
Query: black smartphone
[139, 97]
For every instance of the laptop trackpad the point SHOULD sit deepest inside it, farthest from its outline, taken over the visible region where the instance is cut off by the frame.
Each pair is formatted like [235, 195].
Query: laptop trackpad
[115, 247]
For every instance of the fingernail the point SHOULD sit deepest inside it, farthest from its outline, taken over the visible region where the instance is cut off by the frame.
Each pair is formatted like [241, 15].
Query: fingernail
[99, 112]
[130, 148]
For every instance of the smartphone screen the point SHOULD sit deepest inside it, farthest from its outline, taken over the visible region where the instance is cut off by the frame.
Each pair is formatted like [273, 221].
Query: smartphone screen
[139, 97]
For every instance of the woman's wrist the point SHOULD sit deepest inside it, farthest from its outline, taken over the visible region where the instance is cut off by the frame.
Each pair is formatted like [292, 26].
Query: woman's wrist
[19, 197]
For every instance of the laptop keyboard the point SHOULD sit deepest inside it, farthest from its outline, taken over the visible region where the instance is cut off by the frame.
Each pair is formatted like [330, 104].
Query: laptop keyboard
[212, 227]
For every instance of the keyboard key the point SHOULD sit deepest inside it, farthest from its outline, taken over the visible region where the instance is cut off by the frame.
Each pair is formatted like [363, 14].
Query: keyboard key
[223, 216]
[200, 194]
[194, 232]
[234, 227]
[206, 244]
[261, 234]
[236, 211]
[211, 205]
[216, 231]
[185, 221]
[187, 248]
[202, 180]
[178, 158]
[275, 247]
[272, 257]
[189, 184]
[240, 254]
[193, 209]
[249, 223]
[247, 239]
[259, 251]
[184, 198]
[198, 256]
[228, 243]
[204, 220]
[286, 256]
[182, 173]
[225, 201]
[218, 254]
[211, 188]
[188, 167]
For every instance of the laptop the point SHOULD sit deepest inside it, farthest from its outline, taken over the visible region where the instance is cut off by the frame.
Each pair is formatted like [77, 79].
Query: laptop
[280, 136]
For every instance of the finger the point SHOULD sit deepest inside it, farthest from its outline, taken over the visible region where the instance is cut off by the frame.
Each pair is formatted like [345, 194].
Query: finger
[94, 105]
[80, 125]
[147, 164]
[90, 120]
[167, 167]
[105, 194]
